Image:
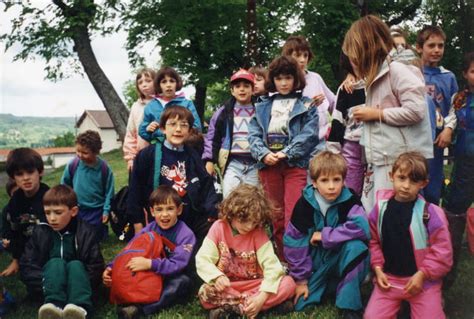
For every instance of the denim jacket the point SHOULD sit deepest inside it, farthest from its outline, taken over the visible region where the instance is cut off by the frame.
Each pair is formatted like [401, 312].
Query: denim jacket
[303, 131]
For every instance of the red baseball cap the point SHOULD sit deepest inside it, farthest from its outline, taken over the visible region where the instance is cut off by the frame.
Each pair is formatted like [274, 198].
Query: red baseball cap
[243, 74]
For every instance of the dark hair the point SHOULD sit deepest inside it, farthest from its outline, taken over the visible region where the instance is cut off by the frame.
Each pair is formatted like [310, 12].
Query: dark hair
[142, 73]
[297, 43]
[467, 61]
[60, 195]
[91, 140]
[23, 158]
[162, 194]
[234, 83]
[176, 110]
[167, 71]
[195, 140]
[414, 164]
[427, 31]
[10, 186]
[288, 66]
[345, 64]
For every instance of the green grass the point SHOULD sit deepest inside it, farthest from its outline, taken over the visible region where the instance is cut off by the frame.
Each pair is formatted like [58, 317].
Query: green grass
[458, 299]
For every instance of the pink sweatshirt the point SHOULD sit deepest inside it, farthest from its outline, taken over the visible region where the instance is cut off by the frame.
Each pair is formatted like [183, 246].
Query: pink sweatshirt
[133, 143]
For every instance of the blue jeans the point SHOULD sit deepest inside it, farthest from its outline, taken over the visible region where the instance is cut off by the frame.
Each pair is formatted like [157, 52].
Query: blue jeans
[237, 173]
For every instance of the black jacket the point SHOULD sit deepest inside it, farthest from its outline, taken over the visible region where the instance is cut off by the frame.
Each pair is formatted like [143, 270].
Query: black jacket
[38, 248]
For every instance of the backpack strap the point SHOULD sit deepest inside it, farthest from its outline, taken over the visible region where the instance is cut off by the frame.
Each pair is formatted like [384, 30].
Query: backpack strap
[73, 167]
[105, 172]
[157, 168]
[168, 243]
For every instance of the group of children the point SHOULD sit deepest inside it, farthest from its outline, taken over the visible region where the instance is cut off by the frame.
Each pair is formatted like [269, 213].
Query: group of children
[297, 221]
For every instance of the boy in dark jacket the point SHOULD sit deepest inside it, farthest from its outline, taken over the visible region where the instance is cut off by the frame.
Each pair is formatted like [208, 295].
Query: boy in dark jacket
[171, 162]
[62, 258]
[25, 208]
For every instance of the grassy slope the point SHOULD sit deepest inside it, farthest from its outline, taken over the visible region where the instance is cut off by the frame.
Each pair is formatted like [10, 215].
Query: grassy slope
[458, 300]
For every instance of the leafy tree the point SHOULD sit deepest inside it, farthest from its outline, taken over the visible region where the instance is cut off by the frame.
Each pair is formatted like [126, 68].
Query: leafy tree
[67, 139]
[60, 33]
[204, 40]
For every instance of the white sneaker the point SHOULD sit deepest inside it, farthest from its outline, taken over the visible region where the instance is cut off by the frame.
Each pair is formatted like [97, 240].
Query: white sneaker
[72, 311]
[50, 311]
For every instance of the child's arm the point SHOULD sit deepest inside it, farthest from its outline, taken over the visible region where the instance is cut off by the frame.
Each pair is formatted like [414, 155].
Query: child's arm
[107, 277]
[109, 194]
[356, 227]
[148, 118]
[206, 260]
[381, 278]
[375, 245]
[445, 137]
[179, 258]
[415, 285]
[66, 178]
[208, 154]
[197, 121]
[307, 139]
[31, 271]
[439, 258]
[258, 149]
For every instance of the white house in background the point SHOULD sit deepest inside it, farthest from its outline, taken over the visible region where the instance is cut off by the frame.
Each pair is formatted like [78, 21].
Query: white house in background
[52, 156]
[100, 121]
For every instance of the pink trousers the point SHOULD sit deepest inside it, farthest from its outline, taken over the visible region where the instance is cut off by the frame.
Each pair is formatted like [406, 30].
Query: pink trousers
[240, 291]
[385, 304]
[283, 185]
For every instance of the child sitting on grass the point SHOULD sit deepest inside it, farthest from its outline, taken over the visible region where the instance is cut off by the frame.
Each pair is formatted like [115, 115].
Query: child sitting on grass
[242, 273]
[410, 248]
[92, 180]
[166, 206]
[25, 208]
[326, 239]
[62, 258]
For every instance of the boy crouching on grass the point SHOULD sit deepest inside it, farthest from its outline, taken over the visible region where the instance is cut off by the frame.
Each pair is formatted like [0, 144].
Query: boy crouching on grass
[63, 257]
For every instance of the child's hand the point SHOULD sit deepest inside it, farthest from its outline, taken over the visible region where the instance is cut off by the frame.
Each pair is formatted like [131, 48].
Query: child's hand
[317, 100]
[5, 243]
[255, 304]
[367, 114]
[222, 282]
[316, 238]
[348, 83]
[210, 168]
[139, 264]
[12, 269]
[382, 280]
[415, 285]
[152, 127]
[301, 290]
[444, 138]
[270, 159]
[107, 277]
[105, 219]
[281, 155]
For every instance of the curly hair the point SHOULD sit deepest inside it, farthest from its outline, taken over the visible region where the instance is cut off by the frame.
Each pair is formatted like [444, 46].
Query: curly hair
[247, 202]
[91, 140]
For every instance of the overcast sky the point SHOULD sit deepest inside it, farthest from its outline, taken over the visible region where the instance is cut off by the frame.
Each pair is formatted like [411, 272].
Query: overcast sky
[25, 92]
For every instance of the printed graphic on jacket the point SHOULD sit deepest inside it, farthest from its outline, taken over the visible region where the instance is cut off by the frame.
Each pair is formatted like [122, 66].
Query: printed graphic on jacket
[176, 173]
[238, 265]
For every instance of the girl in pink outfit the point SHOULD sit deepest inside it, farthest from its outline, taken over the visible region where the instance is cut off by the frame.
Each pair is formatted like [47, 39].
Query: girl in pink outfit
[242, 273]
[410, 245]
[133, 143]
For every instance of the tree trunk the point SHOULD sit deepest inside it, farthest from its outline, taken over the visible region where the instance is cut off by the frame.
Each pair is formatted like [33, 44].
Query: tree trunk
[200, 100]
[251, 56]
[115, 107]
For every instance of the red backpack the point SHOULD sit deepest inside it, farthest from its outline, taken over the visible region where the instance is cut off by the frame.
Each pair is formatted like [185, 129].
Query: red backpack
[141, 286]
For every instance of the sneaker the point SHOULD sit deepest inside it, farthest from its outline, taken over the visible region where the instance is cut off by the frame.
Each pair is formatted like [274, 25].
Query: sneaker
[128, 312]
[50, 311]
[72, 311]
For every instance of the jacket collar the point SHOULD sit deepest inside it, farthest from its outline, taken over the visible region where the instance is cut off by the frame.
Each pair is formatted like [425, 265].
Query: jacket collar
[308, 194]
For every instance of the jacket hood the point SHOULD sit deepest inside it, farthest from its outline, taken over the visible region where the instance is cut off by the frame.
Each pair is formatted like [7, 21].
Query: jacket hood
[308, 194]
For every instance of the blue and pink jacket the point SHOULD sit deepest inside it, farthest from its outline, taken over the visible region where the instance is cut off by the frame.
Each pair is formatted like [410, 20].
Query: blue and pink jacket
[430, 237]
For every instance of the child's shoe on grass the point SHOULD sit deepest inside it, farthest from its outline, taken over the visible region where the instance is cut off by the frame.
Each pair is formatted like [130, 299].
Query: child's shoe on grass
[50, 311]
[128, 312]
[72, 311]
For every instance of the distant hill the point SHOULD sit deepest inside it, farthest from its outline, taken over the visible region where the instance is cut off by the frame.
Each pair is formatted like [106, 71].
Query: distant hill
[29, 131]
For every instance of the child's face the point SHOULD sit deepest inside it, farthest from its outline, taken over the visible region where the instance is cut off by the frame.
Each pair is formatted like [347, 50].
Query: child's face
[59, 216]
[400, 42]
[243, 227]
[242, 91]
[166, 215]
[176, 131]
[259, 87]
[85, 154]
[302, 57]
[329, 186]
[168, 87]
[145, 86]
[432, 50]
[406, 190]
[28, 181]
[284, 83]
[469, 76]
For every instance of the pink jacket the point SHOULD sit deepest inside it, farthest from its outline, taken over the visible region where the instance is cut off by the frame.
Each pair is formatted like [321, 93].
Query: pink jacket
[431, 240]
[132, 142]
[399, 90]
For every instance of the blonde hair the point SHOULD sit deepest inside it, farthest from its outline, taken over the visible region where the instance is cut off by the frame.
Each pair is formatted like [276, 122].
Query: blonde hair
[367, 44]
[327, 163]
[247, 202]
[144, 72]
